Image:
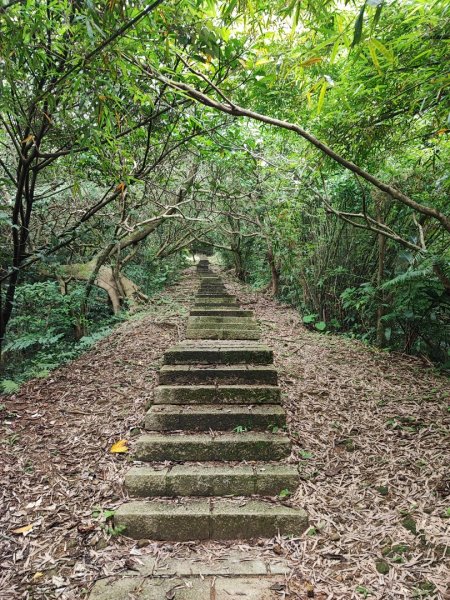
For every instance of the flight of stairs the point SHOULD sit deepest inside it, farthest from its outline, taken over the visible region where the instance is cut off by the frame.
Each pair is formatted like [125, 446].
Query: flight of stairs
[213, 460]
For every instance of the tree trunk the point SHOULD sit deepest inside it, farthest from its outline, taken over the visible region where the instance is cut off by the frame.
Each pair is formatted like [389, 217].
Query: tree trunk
[239, 267]
[380, 295]
[117, 286]
[275, 273]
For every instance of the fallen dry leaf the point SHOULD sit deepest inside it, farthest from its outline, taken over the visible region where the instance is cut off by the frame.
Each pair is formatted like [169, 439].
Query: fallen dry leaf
[24, 530]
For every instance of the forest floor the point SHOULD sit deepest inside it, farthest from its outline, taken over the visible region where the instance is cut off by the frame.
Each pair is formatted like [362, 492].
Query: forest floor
[371, 431]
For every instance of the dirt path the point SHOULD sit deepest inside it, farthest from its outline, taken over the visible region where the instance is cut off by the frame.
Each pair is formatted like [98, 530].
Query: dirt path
[371, 431]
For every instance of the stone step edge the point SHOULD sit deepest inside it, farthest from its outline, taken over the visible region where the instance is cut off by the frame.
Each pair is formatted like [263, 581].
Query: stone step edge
[201, 519]
[192, 354]
[202, 447]
[226, 394]
[236, 312]
[203, 417]
[222, 334]
[226, 369]
[212, 480]
[213, 374]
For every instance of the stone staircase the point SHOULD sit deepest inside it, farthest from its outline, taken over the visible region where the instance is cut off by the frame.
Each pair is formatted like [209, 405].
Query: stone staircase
[215, 434]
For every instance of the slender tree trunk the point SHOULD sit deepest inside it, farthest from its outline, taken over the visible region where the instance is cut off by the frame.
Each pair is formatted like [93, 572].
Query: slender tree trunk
[275, 273]
[380, 295]
[239, 266]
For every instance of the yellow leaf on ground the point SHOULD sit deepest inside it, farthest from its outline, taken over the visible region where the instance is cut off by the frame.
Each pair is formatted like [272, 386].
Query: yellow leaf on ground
[38, 575]
[25, 529]
[119, 447]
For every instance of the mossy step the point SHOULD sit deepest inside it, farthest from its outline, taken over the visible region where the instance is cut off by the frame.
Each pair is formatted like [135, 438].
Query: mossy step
[205, 447]
[195, 352]
[261, 479]
[215, 305]
[214, 296]
[218, 306]
[239, 575]
[251, 326]
[220, 312]
[221, 320]
[203, 519]
[221, 374]
[212, 394]
[215, 300]
[222, 334]
[203, 417]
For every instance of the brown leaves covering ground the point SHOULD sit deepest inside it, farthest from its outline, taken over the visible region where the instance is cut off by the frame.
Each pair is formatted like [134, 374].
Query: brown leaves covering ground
[372, 435]
[56, 468]
[371, 432]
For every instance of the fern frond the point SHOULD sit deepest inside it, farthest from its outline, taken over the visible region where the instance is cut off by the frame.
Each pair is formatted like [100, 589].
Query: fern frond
[407, 276]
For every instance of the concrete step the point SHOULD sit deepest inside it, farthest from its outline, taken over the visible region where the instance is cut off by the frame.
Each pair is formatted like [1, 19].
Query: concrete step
[212, 394]
[204, 519]
[205, 447]
[198, 352]
[221, 320]
[241, 574]
[220, 312]
[215, 295]
[222, 334]
[222, 374]
[199, 305]
[203, 417]
[219, 300]
[250, 326]
[208, 479]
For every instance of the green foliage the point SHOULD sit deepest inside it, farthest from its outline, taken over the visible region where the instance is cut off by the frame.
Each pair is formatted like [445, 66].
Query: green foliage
[240, 429]
[365, 592]
[45, 330]
[285, 493]
[305, 454]
[7, 386]
[153, 275]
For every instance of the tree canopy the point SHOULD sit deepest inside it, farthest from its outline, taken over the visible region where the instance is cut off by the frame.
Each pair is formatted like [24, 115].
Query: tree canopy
[305, 141]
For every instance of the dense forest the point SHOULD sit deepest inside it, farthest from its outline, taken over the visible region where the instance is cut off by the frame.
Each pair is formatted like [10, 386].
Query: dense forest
[304, 143]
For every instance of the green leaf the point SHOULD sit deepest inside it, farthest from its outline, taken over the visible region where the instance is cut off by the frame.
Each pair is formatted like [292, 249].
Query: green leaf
[284, 493]
[305, 454]
[388, 54]
[359, 26]
[309, 318]
[320, 326]
[322, 93]
[373, 56]
[377, 16]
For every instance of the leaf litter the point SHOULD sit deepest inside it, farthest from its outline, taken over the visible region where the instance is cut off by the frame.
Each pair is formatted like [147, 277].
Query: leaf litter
[370, 432]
